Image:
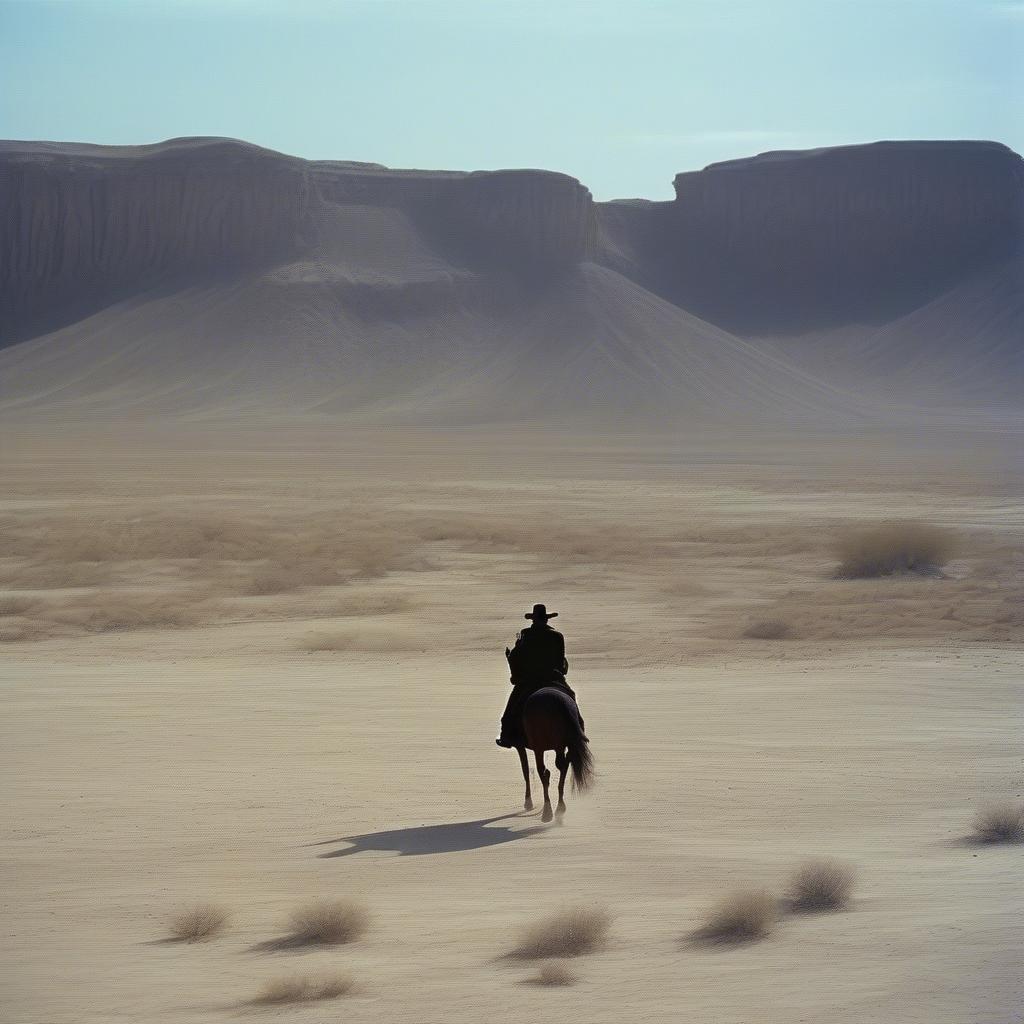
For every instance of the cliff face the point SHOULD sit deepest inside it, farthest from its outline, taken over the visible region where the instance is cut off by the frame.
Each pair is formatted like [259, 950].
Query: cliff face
[81, 227]
[792, 241]
[531, 222]
[521, 220]
[783, 242]
[84, 226]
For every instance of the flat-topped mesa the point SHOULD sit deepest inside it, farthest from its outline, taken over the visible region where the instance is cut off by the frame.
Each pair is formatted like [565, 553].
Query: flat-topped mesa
[531, 222]
[82, 226]
[794, 240]
[780, 242]
[528, 221]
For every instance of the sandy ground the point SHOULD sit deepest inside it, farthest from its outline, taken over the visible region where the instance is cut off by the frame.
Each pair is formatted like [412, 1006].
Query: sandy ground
[187, 717]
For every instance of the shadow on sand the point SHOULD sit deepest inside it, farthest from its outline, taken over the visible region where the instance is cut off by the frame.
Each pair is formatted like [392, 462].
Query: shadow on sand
[427, 839]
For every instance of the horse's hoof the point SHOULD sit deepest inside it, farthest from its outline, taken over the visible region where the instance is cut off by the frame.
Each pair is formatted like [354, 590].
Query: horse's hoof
[547, 815]
[560, 809]
[528, 805]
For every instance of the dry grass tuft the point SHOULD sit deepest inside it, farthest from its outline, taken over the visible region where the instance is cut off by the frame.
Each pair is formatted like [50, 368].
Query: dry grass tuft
[572, 932]
[202, 921]
[555, 975]
[891, 548]
[742, 917]
[1002, 823]
[768, 629]
[303, 990]
[328, 923]
[821, 885]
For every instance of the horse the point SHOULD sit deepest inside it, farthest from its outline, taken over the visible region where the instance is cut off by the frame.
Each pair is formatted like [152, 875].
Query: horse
[551, 722]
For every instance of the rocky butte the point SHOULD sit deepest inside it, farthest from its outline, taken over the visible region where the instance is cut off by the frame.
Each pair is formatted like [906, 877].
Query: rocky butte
[453, 278]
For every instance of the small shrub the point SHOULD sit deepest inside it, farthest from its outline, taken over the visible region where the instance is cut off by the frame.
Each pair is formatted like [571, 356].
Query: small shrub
[890, 548]
[821, 885]
[554, 975]
[768, 629]
[328, 923]
[202, 921]
[572, 932]
[1003, 823]
[742, 917]
[301, 989]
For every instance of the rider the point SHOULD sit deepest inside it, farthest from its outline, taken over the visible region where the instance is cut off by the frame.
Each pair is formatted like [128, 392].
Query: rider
[537, 660]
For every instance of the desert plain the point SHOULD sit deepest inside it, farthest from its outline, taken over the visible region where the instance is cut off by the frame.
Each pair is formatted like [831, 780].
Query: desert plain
[255, 667]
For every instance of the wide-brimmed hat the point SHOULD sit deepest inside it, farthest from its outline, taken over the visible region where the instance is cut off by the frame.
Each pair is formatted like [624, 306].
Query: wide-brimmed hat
[540, 612]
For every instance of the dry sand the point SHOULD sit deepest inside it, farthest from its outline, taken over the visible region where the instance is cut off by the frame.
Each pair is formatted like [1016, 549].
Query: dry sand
[269, 671]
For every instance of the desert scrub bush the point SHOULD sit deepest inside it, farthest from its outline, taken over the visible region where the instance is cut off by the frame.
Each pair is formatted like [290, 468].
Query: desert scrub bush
[328, 923]
[200, 921]
[891, 548]
[821, 885]
[554, 975]
[571, 932]
[742, 917]
[1001, 823]
[303, 989]
[768, 629]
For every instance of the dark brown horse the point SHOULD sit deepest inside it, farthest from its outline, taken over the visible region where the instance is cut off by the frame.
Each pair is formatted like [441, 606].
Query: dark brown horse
[551, 722]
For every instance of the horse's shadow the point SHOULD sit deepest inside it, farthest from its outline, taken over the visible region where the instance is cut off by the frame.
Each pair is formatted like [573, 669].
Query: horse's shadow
[427, 839]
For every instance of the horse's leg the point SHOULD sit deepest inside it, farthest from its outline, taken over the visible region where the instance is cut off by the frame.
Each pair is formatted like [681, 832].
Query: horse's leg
[562, 764]
[545, 778]
[528, 802]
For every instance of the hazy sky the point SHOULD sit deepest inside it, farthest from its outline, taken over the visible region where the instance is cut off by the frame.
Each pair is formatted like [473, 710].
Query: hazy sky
[619, 94]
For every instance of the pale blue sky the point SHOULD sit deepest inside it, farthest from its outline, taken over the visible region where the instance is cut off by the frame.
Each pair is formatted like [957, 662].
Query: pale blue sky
[621, 95]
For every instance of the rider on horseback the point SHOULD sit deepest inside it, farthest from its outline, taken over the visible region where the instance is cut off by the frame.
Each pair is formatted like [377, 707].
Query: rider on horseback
[536, 661]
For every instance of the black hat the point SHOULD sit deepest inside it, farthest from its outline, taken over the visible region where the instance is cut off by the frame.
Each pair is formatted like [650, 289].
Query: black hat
[540, 612]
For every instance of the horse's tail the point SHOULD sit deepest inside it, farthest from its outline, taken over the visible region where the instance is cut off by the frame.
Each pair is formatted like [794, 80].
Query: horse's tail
[581, 760]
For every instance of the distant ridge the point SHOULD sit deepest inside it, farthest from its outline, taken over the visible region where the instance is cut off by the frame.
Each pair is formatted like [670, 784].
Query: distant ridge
[211, 277]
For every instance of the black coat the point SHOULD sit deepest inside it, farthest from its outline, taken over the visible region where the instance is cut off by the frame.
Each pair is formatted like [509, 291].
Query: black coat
[538, 656]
